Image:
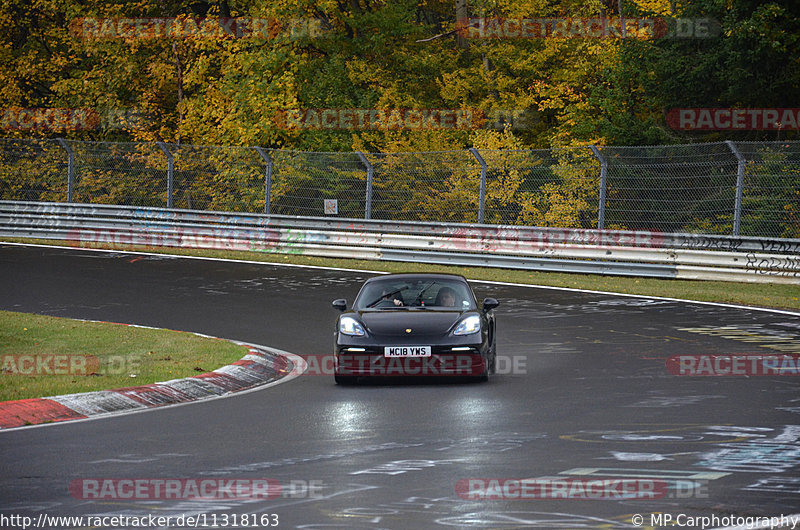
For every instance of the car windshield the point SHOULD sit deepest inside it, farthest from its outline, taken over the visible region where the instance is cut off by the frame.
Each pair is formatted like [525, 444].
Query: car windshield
[398, 293]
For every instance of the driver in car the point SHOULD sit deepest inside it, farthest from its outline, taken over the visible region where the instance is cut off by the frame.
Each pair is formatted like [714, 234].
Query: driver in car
[386, 295]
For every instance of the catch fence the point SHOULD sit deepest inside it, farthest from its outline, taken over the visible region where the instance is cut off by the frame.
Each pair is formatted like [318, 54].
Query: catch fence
[722, 188]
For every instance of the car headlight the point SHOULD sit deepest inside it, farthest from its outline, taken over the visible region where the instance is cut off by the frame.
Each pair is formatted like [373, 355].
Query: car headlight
[468, 326]
[351, 326]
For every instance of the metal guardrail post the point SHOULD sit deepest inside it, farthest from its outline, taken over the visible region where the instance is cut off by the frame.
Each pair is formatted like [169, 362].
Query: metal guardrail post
[482, 195]
[268, 178]
[601, 208]
[170, 173]
[70, 168]
[370, 175]
[737, 208]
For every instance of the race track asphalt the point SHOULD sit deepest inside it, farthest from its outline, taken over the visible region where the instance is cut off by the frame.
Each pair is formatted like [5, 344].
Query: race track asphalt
[584, 394]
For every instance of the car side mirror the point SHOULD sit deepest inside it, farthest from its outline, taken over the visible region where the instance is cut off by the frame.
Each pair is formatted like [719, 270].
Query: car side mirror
[489, 304]
[340, 304]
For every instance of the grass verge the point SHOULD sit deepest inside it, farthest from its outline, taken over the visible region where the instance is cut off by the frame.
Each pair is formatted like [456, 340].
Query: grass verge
[86, 356]
[777, 296]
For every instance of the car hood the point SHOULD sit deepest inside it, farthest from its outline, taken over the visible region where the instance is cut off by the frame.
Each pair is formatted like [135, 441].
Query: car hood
[395, 323]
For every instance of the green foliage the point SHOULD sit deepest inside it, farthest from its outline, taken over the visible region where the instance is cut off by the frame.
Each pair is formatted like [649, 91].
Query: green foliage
[195, 88]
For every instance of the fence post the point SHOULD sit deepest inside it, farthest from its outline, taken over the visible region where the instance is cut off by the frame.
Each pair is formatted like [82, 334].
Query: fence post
[370, 175]
[268, 181]
[737, 208]
[70, 168]
[601, 209]
[482, 195]
[170, 171]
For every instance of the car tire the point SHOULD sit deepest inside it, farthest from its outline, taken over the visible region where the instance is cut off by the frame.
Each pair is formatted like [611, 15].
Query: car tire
[493, 360]
[345, 380]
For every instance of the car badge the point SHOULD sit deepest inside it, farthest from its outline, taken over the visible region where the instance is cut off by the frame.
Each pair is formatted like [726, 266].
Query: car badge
[408, 330]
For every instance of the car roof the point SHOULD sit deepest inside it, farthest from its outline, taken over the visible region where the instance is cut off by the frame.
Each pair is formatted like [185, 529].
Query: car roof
[418, 275]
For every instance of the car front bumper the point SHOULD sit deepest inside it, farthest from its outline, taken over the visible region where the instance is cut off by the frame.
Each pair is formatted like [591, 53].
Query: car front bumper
[444, 361]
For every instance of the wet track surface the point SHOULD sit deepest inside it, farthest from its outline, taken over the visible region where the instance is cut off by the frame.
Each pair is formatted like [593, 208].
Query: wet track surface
[584, 393]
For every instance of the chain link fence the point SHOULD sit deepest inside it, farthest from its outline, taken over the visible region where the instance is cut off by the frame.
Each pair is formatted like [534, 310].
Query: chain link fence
[771, 188]
[33, 170]
[216, 178]
[739, 188]
[543, 187]
[301, 182]
[672, 188]
[116, 173]
[436, 186]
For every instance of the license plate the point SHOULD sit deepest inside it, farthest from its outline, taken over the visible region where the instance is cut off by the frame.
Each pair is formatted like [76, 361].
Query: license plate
[407, 351]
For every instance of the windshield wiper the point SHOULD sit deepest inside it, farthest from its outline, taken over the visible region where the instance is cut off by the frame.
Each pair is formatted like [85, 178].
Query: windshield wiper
[387, 295]
[418, 300]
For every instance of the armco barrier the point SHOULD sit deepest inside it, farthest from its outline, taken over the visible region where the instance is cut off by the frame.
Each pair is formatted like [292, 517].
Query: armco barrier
[610, 252]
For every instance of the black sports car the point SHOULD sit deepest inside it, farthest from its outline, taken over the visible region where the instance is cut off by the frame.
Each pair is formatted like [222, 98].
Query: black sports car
[415, 324]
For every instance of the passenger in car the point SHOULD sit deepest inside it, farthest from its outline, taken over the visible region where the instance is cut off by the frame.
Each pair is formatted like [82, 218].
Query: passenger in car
[446, 297]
